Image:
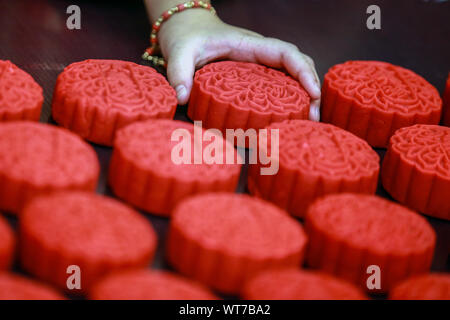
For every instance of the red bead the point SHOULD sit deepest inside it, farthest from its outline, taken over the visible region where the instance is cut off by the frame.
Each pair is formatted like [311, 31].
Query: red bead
[209, 6]
[154, 40]
[150, 51]
[180, 7]
[166, 15]
[155, 27]
[196, 4]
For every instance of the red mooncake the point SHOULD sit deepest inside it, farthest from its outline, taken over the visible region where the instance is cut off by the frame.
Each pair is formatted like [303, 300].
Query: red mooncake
[148, 285]
[372, 99]
[95, 233]
[7, 244]
[223, 239]
[21, 97]
[243, 95]
[157, 163]
[315, 159]
[446, 104]
[39, 158]
[416, 169]
[351, 235]
[15, 287]
[431, 286]
[94, 98]
[296, 284]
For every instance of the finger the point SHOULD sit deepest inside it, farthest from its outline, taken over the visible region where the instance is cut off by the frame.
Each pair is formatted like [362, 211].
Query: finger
[314, 110]
[310, 61]
[180, 71]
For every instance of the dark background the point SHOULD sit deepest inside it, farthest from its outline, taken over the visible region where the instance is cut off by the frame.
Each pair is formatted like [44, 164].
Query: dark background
[414, 34]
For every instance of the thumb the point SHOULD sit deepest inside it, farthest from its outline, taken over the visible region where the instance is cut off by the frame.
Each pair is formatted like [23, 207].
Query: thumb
[180, 71]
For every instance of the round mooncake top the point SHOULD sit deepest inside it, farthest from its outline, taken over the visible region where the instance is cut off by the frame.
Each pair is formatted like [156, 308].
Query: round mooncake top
[384, 86]
[323, 149]
[15, 287]
[114, 85]
[18, 90]
[372, 223]
[81, 224]
[45, 155]
[240, 225]
[251, 86]
[426, 146]
[296, 284]
[431, 286]
[158, 145]
[148, 285]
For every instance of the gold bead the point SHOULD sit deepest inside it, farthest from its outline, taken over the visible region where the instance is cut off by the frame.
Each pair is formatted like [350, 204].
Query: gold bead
[160, 19]
[157, 23]
[169, 12]
[204, 5]
[145, 55]
[174, 9]
[153, 35]
[201, 3]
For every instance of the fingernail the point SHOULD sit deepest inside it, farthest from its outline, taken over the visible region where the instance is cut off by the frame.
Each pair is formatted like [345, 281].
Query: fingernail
[317, 91]
[314, 113]
[181, 92]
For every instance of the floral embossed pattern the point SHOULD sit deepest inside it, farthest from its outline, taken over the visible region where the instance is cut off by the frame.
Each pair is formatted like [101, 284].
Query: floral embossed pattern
[245, 95]
[217, 234]
[143, 171]
[37, 158]
[324, 149]
[416, 169]
[372, 99]
[384, 86]
[349, 232]
[315, 159]
[96, 97]
[428, 147]
[21, 97]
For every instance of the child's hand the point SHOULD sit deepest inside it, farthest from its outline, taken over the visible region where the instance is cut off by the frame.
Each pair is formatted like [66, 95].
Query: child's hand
[192, 38]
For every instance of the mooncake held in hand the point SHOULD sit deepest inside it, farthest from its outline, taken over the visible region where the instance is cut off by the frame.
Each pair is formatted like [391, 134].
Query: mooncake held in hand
[94, 233]
[144, 284]
[416, 169]
[94, 98]
[21, 97]
[372, 99]
[314, 159]
[233, 95]
[296, 284]
[367, 240]
[38, 158]
[157, 163]
[223, 239]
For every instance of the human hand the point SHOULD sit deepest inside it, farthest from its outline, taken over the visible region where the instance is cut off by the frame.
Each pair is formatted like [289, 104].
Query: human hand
[192, 38]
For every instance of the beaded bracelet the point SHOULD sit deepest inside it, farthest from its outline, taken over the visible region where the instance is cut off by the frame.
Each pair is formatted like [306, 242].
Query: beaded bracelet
[148, 54]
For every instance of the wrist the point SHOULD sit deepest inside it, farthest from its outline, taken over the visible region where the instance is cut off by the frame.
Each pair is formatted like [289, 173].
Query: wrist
[155, 8]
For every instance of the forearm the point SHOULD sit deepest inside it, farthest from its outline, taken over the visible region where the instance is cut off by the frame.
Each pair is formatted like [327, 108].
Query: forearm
[156, 7]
